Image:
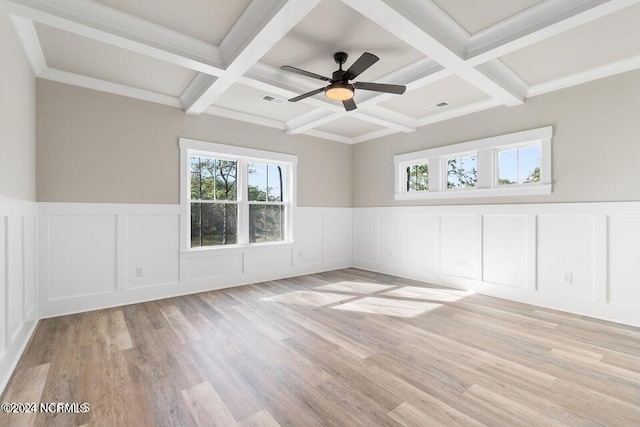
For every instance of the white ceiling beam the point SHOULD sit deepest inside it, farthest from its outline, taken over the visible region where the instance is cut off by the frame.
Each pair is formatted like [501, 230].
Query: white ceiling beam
[329, 136]
[538, 23]
[424, 26]
[597, 73]
[98, 22]
[373, 135]
[459, 112]
[29, 38]
[385, 117]
[310, 120]
[108, 87]
[259, 28]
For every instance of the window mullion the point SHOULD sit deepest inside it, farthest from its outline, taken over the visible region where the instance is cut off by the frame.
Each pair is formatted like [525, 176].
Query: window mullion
[243, 202]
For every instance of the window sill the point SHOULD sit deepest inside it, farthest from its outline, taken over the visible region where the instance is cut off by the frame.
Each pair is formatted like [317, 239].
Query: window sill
[230, 249]
[477, 192]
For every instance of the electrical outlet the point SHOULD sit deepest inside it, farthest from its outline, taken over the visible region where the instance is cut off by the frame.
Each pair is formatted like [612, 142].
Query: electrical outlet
[299, 254]
[139, 271]
[567, 278]
[460, 263]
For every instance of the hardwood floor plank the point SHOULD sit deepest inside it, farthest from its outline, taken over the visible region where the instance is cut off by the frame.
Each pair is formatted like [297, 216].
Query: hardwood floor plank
[340, 348]
[206, 406]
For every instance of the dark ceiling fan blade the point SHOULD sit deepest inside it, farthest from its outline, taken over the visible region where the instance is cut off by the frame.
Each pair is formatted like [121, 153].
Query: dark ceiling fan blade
[361, 65]
[349, 104]
[305, 73]
[306, 95]
[380, 87]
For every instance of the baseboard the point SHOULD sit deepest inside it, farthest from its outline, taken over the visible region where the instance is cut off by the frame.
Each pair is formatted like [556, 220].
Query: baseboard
[618, 314]
[12, 356]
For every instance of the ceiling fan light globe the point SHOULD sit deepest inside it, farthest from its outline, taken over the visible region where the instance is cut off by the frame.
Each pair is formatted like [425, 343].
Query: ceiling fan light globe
[339, 92]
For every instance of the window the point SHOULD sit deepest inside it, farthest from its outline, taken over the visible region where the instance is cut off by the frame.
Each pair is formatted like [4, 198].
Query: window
[417, 177]
[214, 201]
[519, 166]
[505, 165]
[462, 172]
[266, 202]
[235, 196]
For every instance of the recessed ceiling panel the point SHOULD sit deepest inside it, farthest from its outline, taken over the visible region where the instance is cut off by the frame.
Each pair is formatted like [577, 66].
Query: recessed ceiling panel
[476, 15]
[598, 43]
[69, 52]
[349, 127]
[249, 100]
[331, 27]
[422, 102]
[207, 20]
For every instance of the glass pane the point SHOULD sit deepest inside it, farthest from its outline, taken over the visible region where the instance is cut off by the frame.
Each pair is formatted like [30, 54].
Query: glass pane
[266, 223]
[508, 167]
[226, 175]
[257, 182]
[213, 179]
[418, 177]
[276, 182]
[202, 182]
[214, 224]
[462, 172]
[529, 164]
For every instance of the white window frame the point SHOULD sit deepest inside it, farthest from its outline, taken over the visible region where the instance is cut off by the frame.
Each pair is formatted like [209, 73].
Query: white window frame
[486, 150]
[193, 148]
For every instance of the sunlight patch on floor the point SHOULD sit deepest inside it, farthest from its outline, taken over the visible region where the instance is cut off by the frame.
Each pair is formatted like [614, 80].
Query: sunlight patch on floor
[388, 307]
[355, 287]
[310, 298]
[431, 294]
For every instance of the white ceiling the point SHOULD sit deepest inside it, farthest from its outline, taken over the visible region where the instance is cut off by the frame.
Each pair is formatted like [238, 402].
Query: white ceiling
[476, 15]
[69, 52]
[207, 20]
[248, 100]
[331, 27]
[174, 53]
[601, 42]
[452, 89]
[349, 127]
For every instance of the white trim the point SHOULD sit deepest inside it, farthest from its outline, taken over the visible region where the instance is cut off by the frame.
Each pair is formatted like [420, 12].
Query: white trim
[478, 144]
[486, 151]
[243, 155]
[375, 134]
[108, 87]
[537, 23]
[259, 28]
[96, 21]
[476, 192]
[214, 110]
[597, 73]
[426, 28]
[213, 148]
[29, 38]
[329, 136]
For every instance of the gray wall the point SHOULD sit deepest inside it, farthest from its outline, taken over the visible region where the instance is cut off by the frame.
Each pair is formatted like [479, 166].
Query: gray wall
[596, 145]
[98, 147]
[17, 117]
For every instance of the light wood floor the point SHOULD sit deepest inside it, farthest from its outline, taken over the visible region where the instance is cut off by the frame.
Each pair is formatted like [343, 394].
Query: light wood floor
[341, 348]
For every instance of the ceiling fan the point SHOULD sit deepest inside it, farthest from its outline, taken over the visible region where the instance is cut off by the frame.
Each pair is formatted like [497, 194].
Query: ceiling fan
[339, 88]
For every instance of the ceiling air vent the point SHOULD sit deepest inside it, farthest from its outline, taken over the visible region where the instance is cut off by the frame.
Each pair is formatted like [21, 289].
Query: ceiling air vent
[273, 99]
[437, 106]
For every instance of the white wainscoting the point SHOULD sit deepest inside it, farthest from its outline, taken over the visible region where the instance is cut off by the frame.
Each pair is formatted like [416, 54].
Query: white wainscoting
[517, 252]
[18, 277]
[89, 255]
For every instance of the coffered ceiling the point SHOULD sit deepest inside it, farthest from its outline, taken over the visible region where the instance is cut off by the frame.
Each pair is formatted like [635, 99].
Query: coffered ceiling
[222, 57]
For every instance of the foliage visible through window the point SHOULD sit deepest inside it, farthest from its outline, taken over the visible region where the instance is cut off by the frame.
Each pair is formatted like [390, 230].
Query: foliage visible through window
[418, 177]
[519, 166]
[214, 202]
[266, 189]
[462, 172]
